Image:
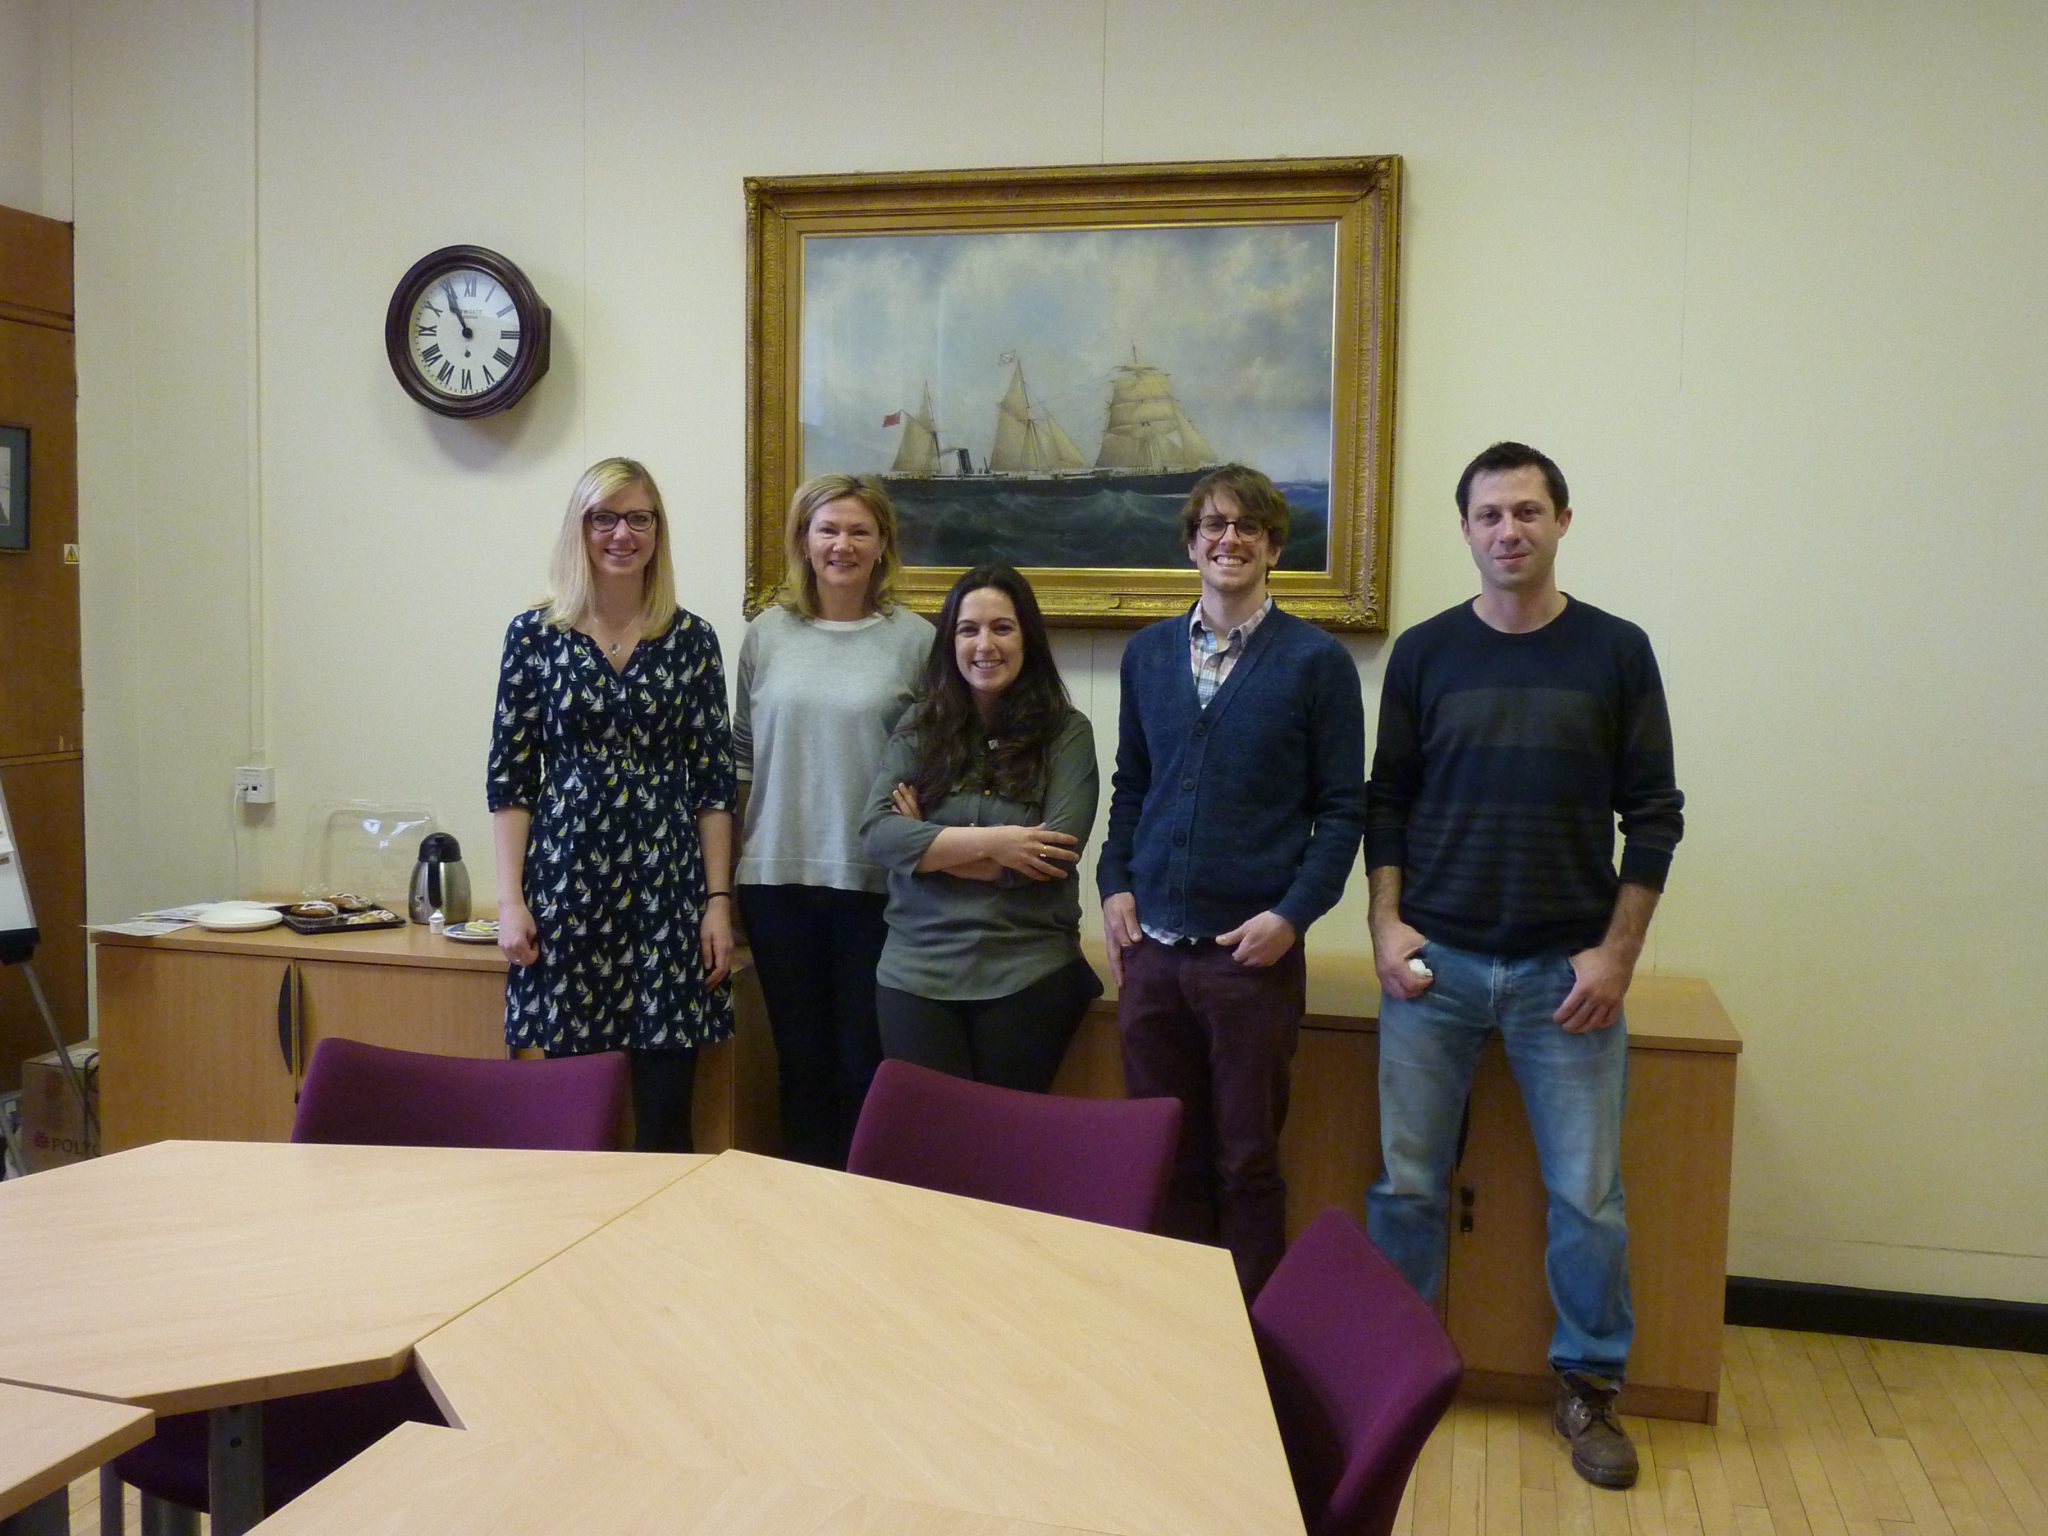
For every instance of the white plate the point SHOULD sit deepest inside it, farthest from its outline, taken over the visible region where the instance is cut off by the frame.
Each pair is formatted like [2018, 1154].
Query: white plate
[237, 917]
[463, 933]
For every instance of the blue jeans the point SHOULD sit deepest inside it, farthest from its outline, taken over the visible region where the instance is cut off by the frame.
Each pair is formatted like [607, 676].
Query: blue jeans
[1573, 1087]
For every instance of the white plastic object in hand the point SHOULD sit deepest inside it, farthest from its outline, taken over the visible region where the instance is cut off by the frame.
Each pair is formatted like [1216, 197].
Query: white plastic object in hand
[1419, 968]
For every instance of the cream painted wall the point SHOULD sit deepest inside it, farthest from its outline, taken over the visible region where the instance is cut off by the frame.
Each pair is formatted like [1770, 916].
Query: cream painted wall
[1766, 285]
[35, 107]
[21, 97]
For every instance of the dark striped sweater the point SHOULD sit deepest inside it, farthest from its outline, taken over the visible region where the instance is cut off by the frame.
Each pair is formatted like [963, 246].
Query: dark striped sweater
[1502, 764]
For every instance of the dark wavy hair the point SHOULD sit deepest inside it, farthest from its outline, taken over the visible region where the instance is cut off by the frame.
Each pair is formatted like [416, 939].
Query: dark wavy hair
[1008, 753]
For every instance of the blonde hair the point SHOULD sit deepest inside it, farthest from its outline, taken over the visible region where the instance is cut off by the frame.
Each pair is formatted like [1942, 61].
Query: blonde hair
[570, 588]
[799, 591]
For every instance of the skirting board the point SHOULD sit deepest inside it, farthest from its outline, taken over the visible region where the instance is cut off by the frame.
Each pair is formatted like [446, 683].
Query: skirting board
[1981, 1324]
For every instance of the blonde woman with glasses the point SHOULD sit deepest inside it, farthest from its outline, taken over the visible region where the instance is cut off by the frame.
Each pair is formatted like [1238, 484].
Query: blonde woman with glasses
[823, 677]
[610, 786]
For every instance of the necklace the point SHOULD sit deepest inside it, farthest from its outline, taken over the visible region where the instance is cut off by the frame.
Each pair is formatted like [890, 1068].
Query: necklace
[611, 647]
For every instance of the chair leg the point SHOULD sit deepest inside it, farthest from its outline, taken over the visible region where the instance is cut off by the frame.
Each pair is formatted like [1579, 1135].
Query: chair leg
[160, 1517]
[113, 1493]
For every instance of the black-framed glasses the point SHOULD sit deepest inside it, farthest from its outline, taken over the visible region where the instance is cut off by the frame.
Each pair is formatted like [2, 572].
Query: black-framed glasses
[605, 522]
[1212, 524]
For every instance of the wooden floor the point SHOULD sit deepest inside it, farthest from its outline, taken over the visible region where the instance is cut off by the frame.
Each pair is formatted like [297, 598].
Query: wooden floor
[1819, 1436]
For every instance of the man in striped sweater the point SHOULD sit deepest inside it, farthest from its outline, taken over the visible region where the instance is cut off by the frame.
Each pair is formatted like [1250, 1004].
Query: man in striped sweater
[1514, 730]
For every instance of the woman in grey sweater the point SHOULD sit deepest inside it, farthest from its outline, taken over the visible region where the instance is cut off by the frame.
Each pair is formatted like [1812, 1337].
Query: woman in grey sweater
[822, 677]
[985, 795]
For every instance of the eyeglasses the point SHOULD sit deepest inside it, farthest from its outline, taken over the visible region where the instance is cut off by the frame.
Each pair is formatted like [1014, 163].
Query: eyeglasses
[1212, 524]
[605, 522]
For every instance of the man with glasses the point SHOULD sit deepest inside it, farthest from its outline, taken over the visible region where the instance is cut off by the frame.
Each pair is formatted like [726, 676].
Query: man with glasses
[1235, 814]
[1514, 729]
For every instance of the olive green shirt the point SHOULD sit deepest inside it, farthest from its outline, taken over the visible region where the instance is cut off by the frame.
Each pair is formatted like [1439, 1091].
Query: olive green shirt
[960, 940]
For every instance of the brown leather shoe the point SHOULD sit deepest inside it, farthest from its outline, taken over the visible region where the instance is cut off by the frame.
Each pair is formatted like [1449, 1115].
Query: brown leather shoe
[1584, 1414]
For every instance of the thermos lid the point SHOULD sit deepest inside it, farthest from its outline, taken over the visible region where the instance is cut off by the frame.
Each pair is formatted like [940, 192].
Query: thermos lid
[441, 848]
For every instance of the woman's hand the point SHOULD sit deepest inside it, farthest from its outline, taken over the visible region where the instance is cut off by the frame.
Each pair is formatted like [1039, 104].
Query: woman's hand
[518, 939]
[904, 798]
[1038, 853]
[714, 936]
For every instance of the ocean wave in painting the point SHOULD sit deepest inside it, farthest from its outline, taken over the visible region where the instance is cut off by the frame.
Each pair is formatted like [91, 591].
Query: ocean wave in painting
[1108, 529]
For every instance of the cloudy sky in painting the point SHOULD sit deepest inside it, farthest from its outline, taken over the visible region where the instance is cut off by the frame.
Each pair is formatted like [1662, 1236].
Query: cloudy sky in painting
[1240, 317]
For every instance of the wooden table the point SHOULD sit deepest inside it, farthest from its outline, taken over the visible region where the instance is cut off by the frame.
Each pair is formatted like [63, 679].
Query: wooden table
[214, 1275]
[443, 1482]
[46, 1440]
[801, 1326]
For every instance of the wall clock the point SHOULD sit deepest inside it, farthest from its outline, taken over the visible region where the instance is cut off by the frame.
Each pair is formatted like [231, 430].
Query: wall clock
[466, 333]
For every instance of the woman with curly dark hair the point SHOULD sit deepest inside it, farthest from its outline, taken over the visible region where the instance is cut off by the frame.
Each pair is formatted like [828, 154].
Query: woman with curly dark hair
[985, 795]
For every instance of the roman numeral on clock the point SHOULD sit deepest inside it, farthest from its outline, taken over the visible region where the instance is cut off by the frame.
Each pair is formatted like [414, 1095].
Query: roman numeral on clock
[502, 358]
[431, 354]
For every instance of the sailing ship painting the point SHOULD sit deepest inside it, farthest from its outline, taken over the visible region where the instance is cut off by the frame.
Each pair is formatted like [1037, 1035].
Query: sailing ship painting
[1148, 443]
[992, 469]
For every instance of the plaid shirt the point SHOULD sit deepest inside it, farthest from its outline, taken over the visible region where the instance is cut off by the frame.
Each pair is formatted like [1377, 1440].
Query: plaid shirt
[1211, 657]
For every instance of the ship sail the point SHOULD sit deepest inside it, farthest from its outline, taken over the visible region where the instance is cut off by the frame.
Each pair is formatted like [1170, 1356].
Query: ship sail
[1028, 440]
[918, 453]
[1145, 428]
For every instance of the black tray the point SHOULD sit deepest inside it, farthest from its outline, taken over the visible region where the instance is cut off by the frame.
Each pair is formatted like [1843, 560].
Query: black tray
[345, 922]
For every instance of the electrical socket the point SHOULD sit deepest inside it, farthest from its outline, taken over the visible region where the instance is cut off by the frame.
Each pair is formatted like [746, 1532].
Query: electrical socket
[256, 786]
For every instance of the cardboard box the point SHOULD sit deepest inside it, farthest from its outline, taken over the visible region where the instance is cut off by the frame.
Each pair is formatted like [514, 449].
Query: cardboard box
[53, 1123]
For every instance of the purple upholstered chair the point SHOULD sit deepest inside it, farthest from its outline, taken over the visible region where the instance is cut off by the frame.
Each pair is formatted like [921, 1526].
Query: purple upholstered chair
[373, 1096]
[1103, 1160]
[370, 1095]
[1360, 1371]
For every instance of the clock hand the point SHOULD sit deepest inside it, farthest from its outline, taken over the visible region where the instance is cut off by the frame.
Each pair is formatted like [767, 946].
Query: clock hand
[455, 309]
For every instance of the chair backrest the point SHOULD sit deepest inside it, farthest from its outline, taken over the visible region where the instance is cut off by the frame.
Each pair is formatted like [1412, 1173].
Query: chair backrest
[372, 1095]
[1360, 1371]
[1103, 1160]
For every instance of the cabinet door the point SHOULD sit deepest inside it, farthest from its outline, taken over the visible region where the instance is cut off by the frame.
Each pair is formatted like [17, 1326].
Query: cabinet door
[1675, 1149]
[1330, 1146]
[1674, 1169]
[189, 1047]
[410, 1007]
[1496, 1302]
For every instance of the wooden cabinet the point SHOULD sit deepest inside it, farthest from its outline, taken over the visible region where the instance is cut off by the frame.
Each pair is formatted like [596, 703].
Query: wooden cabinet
[1676, 1141]
[205, 1035]
[1677, 1134]
[197, 1040]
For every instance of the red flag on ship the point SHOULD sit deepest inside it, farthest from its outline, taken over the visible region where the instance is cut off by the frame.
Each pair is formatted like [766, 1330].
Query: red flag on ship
[892, 418]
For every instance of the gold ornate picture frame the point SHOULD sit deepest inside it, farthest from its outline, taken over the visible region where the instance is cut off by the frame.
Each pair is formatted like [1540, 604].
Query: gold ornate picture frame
[1040, 362]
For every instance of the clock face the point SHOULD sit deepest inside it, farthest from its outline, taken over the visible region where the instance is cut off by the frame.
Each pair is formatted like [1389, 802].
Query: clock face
[465, 332]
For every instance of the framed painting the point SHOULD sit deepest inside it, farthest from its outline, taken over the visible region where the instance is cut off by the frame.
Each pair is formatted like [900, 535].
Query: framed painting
[1039, 364]
[13, 488]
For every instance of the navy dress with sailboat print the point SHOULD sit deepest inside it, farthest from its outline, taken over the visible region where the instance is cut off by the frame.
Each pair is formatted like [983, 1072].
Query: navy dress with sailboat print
[615, 767]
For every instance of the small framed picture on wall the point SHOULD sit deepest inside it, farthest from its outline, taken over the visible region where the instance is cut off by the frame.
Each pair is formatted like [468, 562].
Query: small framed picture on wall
[13, 488]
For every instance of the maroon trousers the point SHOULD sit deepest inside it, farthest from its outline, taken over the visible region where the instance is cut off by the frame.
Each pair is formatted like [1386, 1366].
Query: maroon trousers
[1198, 1027]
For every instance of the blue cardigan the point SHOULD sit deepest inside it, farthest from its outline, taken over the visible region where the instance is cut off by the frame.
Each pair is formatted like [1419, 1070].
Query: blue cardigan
[1255, 803]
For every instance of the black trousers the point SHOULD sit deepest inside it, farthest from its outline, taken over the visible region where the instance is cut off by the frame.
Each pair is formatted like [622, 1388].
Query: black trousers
[664, 1083]
[815, 950]
[1017, 1041]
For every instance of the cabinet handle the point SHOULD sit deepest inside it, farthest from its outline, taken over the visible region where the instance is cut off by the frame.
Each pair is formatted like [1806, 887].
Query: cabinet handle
[1466, 1195]
[286, 1016]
